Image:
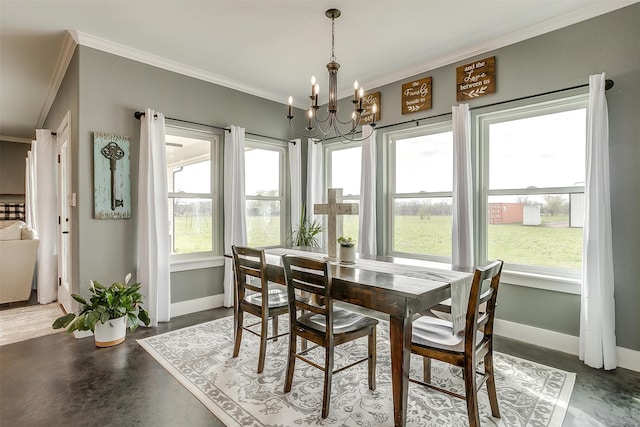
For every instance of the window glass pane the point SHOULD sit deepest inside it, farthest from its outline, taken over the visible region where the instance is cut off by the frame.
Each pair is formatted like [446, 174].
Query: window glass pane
[345, 170]
[536, 230]
[424, 163]
[191, 225]
[263, 222]
[262, 172]
[540, 151]
[188, 164]
[350, 223]
[422, 226]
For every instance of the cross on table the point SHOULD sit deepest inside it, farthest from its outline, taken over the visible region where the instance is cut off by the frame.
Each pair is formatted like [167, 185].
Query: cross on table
[333, 208]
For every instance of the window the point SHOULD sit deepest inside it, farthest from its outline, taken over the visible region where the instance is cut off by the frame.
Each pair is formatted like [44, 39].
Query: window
[344, 162]
[192, 183]
[533, 169]
[420, 191]
[264, 188]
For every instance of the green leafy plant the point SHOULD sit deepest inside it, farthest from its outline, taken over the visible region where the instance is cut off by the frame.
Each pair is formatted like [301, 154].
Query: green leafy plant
[346, 241]
[106, 303]
[306, 233]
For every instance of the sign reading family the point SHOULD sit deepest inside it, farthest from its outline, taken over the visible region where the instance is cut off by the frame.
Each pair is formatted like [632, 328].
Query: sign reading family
[367, 116]
[416, 96]
[476, 79]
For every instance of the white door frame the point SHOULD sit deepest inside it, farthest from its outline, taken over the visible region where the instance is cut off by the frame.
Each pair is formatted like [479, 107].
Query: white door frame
[66, 199]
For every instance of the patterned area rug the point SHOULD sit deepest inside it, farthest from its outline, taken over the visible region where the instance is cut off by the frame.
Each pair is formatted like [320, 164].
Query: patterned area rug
[200, 358]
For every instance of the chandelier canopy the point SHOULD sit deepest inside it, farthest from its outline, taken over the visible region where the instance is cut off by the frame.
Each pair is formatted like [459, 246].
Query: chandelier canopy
[320, 128]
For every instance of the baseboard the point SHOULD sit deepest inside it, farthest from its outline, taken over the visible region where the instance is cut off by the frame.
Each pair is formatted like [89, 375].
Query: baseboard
[627, 358]
[195, 305]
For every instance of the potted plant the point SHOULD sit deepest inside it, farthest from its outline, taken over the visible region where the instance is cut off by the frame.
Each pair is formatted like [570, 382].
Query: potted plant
[107, 313]
[306, 233]
[347, 250]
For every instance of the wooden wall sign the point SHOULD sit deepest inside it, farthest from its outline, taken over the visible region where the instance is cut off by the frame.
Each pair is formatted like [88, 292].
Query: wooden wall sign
[416, 96]
[111, 176]
[476, 79]
[367, 104]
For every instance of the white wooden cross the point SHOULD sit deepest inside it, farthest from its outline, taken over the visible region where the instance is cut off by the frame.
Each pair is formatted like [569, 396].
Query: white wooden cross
[333, 208]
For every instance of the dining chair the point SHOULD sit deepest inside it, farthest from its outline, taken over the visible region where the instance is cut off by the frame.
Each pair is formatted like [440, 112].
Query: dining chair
[323, 325]
[433, 338]
[254, 295]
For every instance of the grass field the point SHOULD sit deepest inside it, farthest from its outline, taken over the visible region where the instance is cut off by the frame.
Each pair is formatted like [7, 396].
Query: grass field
[546, 245]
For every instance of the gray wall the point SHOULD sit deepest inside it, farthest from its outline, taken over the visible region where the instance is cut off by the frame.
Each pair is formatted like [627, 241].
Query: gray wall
[557, 60]
[104, 90]
[109, 90]
[12, 163]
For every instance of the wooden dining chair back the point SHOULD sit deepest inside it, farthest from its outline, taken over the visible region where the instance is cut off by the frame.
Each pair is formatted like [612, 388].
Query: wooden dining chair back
[433, 338]
[254, 295]
[322, 324]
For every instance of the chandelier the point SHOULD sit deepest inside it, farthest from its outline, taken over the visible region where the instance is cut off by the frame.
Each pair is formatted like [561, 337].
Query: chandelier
[319, 128]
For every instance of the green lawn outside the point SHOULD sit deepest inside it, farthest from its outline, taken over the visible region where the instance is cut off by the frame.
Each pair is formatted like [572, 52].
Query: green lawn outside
[545, 245]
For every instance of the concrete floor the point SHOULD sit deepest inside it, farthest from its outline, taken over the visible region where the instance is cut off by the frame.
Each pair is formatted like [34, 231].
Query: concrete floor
[61, 381]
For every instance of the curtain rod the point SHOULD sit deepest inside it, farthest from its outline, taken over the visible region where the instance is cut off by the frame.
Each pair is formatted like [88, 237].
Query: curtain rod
[139, 114]
[608, 85]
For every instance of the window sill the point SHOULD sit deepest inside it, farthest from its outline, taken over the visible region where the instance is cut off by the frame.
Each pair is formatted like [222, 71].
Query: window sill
[540, 281]
[196, 263]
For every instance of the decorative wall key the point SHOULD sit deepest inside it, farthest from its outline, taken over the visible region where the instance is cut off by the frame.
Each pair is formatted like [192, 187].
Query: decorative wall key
[113, 152]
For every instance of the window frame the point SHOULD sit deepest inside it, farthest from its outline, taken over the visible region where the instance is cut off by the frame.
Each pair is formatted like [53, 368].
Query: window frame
[213, 258]
[329, 149]
[391, 139]
[550, 278]
[281, 148]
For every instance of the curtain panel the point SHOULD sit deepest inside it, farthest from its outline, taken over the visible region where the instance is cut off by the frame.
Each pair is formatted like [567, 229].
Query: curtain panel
[367, 227]
[462, 221]
[597, 308]
[42, 200]
[153, 218]
[315, 182]
[235, 227]
[295, 179]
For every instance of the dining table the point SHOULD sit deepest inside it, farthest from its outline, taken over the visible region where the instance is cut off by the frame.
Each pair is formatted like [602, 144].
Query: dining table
[397, 287]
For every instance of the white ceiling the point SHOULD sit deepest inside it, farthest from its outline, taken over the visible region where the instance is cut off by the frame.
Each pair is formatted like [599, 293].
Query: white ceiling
[266, 48]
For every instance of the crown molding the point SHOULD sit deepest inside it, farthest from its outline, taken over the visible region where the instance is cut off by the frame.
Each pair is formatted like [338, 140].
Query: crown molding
[66, 53]
[561, 21]
[6, 138]
[108, 46]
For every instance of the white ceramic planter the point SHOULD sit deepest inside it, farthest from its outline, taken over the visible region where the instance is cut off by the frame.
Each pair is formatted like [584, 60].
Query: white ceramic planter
[111, 333]
[347, 254]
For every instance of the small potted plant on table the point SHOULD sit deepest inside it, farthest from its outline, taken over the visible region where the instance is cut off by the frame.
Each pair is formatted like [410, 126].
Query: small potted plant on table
[107, 313]
[347, 250]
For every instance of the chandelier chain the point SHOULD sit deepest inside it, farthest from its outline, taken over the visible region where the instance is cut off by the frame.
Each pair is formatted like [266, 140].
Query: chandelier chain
[333, 30]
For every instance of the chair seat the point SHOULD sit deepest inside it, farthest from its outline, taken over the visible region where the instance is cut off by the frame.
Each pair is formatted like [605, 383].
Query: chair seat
[430, 331]
[344, 321]
[277, 298]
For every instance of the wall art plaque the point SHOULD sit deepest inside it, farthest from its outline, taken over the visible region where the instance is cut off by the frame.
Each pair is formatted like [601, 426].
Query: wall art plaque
[111, 176]
[416, 96]
[476, 79]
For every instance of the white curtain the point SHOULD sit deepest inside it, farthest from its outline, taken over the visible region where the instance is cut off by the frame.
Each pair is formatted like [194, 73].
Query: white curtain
[30, 191]
[315, 181]
[462, 228]
[42, 205]
[153, 218]
[597, 309]
[235, 227]
[367, 227]
[295, 178]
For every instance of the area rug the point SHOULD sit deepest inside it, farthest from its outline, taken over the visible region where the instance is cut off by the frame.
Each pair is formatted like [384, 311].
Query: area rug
[32, 321]
[200, 358]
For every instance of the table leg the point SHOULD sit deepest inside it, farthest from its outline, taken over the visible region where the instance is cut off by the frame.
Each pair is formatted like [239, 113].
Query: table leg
[400, 337]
